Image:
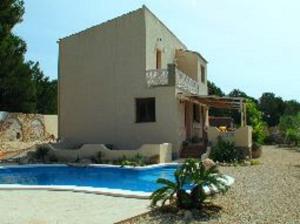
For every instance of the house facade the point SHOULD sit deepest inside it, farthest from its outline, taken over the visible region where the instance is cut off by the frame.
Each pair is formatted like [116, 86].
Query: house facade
[125, 82]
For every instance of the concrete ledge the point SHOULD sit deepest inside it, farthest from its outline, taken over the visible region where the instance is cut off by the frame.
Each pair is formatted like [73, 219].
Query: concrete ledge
[88, 151]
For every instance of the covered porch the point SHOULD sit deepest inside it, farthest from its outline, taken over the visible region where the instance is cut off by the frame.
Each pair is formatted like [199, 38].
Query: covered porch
[242, 136]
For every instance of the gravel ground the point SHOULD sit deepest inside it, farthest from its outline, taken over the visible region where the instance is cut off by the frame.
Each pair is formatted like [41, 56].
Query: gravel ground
[265, 193]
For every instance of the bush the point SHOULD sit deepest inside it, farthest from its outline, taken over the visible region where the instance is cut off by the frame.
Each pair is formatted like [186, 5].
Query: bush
[255, 119]
[290, 128]
[224, 151]
[194, 174]
[256, 150]
[41, 153]
[137, 160]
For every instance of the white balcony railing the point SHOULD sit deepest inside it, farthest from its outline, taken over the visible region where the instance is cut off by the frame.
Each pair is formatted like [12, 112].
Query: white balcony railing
[157, 77]
[161, 77]
[186, 84]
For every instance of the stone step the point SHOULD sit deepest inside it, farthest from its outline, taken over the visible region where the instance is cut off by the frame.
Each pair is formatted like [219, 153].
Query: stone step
[193, 151]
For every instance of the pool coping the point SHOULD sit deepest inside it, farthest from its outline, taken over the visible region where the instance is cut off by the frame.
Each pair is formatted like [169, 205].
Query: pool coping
[95, 190]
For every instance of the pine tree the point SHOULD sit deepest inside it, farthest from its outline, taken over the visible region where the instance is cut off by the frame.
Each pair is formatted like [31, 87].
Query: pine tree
[17, 91]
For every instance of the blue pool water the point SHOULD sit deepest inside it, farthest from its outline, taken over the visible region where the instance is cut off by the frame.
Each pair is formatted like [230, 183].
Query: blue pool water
[100, 177]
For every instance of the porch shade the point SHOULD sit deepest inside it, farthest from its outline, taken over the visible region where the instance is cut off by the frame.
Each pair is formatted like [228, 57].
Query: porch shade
[231, 103]
[217, 101]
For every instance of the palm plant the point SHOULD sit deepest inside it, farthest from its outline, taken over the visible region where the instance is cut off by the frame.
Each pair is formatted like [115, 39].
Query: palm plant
[191, 175]
[172, 190]
[201, 178]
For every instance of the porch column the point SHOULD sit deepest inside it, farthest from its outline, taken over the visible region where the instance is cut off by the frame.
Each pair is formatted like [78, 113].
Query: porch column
[243, 114]
[206, 115]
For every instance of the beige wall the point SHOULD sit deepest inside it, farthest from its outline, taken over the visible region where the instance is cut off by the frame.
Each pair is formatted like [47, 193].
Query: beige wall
[90, 151]
[51, 124]
[187, 62]
[102, 71]
[190, 63]
[242, 137]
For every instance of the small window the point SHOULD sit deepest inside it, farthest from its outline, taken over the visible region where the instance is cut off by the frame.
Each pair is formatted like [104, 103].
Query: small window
[145, 110]
[196, 112]
[158, 59]
[202, 74]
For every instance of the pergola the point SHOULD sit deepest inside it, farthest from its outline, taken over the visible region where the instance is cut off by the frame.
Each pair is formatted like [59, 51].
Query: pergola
[231, 103]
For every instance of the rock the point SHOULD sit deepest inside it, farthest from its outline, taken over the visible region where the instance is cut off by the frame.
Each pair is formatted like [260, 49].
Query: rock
[247, 163]
[188, 216]
[85, 161]
[23, 160]
[208, 163]
[154, 159]
[180, 212]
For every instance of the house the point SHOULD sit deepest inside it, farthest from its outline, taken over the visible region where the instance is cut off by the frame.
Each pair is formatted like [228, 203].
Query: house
[130, 81]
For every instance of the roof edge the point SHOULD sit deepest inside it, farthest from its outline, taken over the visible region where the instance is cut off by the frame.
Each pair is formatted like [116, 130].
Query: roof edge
[148, 10]
[101, 24]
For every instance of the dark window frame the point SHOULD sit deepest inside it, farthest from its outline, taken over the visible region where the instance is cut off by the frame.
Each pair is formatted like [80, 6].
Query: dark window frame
[145, 110]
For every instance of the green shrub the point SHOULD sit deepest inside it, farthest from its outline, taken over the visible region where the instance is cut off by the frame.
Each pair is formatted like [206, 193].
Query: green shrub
[195, 174]
[224, 151]
[290, 128]
[41, 152]
[255, 119]
[137, 160]
[254, 162]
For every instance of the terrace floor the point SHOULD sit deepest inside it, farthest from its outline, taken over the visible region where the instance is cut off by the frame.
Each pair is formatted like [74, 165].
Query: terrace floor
[62, 207]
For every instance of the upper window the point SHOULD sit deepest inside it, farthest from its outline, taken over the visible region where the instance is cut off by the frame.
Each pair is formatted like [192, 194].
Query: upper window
[158, 59]
[202, 74]
[145, 109]
[196, 112]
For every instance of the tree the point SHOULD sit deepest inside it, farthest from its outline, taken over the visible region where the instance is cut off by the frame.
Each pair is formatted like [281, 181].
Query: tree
[272, 107]
[239, 93]
[214, 90]
[292, 107]
[290, 128]
[17, 92]
[46, 91]
[255, 119]
[23, 86]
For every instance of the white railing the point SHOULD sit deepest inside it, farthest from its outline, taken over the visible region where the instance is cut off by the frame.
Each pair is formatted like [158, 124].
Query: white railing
[157, 77]
[160, 77]
[185, 83]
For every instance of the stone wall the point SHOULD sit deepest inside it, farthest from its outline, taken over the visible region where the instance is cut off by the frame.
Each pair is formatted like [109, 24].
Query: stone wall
[27, 127]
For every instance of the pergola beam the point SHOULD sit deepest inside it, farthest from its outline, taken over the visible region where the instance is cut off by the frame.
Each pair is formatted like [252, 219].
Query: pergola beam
[231, 103]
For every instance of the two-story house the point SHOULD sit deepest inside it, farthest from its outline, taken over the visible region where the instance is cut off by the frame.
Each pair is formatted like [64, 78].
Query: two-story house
[130, 81]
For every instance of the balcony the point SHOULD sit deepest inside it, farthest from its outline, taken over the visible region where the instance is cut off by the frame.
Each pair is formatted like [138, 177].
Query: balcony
[172, 77]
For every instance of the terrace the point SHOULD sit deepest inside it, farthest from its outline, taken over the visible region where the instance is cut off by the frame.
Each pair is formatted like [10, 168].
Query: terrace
[188, 89]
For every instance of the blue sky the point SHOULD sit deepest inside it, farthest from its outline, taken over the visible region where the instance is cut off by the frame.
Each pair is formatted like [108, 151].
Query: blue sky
[251, 45]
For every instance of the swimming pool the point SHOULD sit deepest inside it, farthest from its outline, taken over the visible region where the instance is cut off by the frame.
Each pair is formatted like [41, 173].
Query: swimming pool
[140, 181]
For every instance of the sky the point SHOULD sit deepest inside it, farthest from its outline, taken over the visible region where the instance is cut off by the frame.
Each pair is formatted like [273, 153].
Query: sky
[250, 45]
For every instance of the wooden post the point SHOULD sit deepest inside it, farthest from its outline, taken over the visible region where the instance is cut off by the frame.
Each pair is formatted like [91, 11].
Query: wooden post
[245, 114]
[243, 111]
